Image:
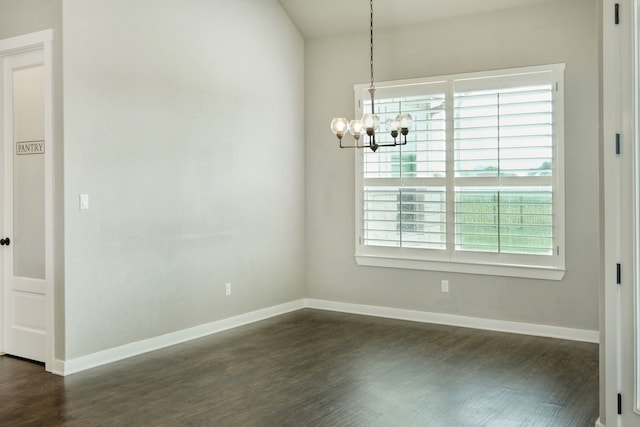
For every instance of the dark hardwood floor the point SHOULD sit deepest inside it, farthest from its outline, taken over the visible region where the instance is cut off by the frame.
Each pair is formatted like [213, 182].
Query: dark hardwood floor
[316, 368]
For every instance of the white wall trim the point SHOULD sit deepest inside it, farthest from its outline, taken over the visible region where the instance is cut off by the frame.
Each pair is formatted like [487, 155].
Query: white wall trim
[599, 424]
[583, 335]
[530, 272]
[115, 354]
[22, 42]
[111, 355]
[56, 367]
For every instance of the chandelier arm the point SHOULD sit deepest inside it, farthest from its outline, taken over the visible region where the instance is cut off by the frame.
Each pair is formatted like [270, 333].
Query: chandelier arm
[357, 145]
[349, 146]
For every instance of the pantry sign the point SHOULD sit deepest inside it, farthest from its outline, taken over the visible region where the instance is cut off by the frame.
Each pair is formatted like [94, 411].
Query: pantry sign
[29, 147]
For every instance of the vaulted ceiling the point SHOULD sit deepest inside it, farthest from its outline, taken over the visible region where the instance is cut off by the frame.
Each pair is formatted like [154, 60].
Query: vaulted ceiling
[318, 18]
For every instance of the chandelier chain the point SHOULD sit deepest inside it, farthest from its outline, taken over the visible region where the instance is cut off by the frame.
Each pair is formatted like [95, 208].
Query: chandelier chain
[371, 38]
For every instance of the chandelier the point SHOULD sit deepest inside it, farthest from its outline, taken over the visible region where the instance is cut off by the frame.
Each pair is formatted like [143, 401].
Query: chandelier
[370, 122]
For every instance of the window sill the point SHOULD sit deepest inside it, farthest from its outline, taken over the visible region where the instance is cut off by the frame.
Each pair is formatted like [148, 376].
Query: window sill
[523, 271]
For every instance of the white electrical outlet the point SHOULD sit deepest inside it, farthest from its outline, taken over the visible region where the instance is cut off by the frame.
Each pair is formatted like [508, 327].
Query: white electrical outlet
[227, 289]
[445, 286]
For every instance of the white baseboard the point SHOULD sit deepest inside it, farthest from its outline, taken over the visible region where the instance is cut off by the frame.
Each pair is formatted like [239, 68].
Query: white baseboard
[456, 320]
[104, 357]
[598, 423]
[136, 348]
[55, 367]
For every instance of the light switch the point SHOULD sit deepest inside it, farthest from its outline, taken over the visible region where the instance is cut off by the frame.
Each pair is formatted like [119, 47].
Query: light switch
[84, 201]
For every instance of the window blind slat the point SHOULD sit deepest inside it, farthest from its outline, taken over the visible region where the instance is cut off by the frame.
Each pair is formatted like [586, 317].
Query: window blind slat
[494, 131]
[504, 220]
[424, 156]
[407, 217]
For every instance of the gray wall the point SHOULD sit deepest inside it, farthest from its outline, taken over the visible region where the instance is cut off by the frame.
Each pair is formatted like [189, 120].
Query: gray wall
[184, 125]
[549, 33]
[27, 16]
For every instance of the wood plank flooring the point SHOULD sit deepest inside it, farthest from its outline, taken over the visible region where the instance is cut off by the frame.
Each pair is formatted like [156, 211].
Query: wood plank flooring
[316, 368]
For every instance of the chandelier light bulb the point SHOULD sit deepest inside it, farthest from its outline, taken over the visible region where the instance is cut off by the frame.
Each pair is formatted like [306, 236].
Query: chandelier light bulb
[339, 126]
[405, 123]
[370, 122]
[393, 126]
[355, 128]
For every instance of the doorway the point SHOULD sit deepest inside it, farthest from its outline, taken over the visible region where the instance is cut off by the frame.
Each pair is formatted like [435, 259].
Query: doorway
[620, 293]
[26, 202]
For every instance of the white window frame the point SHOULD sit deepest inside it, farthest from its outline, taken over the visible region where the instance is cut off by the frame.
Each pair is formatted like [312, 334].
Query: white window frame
[550, 267]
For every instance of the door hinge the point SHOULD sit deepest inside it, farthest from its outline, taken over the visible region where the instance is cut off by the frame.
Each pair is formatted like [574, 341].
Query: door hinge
[617, 13]
[618, 143]
[618, 274]
[619, 404]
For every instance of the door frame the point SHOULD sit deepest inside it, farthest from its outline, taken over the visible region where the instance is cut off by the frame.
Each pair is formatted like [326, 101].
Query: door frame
[620, 210]
[41, 40]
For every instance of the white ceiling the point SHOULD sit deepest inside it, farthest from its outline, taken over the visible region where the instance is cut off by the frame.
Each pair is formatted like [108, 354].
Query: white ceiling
[318, 18]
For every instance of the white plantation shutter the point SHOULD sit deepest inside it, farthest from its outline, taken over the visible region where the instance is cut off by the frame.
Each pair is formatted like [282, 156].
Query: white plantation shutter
[480, 180]
[503, 139]
[504, 132]
[424, 156]
[405, 217]
[516, 220]
[404, 188]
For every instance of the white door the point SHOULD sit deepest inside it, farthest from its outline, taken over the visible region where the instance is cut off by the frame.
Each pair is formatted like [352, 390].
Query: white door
[620, 339]
[629, 399]
[22, 237]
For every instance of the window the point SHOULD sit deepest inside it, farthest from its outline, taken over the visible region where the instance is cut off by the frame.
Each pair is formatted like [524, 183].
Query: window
[479, 186]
